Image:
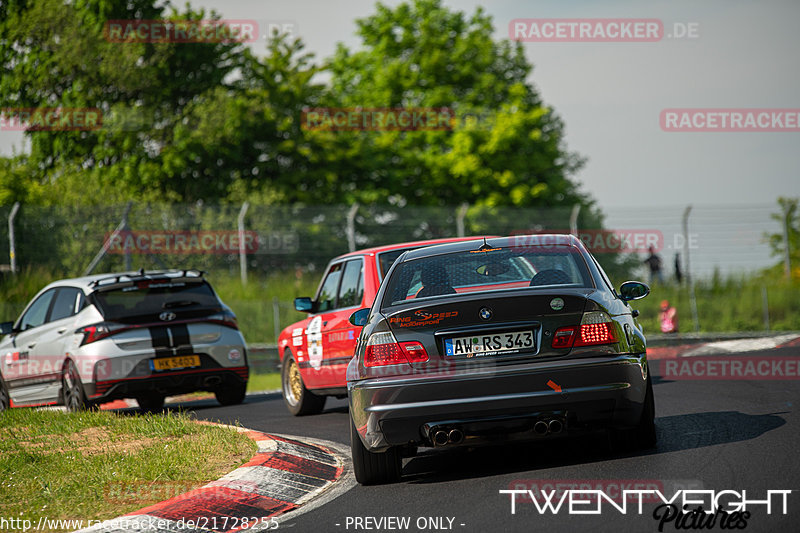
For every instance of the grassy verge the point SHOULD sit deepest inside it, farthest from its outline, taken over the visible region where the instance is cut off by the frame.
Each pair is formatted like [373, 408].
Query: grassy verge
[727, 305]
[99, 465]
[262, 382]
[723, 304]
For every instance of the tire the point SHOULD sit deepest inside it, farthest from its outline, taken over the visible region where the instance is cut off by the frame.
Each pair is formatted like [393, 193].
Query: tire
[5, 397]
[232, 395]
[298, 399]
[72, 389]
[374, 468]
[150, 403]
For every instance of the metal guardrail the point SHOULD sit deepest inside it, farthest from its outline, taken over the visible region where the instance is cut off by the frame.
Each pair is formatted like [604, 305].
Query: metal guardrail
[673, 339]
[263, 358]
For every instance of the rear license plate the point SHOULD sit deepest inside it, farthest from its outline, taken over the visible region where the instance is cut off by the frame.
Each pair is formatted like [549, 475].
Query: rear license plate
[171, 363]
[496, 343]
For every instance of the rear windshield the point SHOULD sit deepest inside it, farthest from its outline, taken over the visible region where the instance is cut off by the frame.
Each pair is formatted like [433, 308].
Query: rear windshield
[155, 297]
[387, 259]
[445, 275]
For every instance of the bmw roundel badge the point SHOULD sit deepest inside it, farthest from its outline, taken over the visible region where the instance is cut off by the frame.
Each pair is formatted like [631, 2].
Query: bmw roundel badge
[485, 313]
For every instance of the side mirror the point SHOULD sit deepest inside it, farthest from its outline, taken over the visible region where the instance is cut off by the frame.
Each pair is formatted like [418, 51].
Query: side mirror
[6, 328]
[304, 304]
[633, 290]
[359, 318]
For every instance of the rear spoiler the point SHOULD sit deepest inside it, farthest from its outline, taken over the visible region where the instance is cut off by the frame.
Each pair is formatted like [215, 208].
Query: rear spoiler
[130, 277]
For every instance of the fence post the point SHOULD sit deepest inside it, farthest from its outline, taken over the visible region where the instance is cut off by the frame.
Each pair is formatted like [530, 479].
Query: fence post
[687, 266]
[276, 318]
[125, 227]
[693, 303]
[765, 303]
[461, 214]
[351, 227]
[242, 248]
[107, 244]
[787, 260]
[573, 219]
[12, 246]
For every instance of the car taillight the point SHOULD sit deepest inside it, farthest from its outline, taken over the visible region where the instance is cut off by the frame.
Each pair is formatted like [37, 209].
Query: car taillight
[596, 328]
[383, 349]
[414, 352]
[226, 318]
[564, 337]
[95, 332]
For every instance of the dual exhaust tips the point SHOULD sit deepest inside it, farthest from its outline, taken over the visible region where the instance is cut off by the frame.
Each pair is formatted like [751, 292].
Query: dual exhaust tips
[545, 427]
[442, 437]
[452, 436]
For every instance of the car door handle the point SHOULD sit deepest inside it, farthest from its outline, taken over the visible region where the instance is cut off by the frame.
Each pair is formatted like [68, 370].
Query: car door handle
[61, 330]
[31, 345]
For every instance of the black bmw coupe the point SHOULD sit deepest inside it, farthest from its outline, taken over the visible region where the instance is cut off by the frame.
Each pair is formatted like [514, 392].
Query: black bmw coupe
[482, 342]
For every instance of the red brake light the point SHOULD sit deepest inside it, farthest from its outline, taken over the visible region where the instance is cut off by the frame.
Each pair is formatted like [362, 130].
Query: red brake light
[592, 334]
[95, 332]
[596, 328]
[564, 337]
[383, 349]
[414, 352]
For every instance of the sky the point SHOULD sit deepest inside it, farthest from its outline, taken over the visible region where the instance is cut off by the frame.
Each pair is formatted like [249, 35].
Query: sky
[610, 95]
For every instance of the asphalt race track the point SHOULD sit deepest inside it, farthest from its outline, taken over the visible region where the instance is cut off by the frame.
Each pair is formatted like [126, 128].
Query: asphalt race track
[713, 435]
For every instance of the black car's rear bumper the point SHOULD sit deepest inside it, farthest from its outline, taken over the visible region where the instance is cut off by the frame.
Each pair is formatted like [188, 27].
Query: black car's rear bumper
[501, 402]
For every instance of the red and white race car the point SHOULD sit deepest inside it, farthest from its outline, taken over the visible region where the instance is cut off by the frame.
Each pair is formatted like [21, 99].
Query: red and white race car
[315, 352]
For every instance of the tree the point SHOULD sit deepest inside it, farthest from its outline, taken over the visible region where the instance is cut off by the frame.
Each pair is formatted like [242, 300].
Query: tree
[54, 54]
[423, 55]
[790, 217]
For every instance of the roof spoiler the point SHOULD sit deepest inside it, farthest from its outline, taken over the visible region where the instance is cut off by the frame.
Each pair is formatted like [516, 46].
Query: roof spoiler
[149, 274]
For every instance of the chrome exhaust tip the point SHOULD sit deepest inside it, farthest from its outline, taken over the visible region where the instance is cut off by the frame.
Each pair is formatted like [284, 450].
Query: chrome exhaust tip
[540, 427]
[555, 426]
[456, 436]
[440, 438]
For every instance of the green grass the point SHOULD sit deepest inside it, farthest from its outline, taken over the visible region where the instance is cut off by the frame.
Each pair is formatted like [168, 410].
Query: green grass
[262, 382]
[98, 465]
[726, 305]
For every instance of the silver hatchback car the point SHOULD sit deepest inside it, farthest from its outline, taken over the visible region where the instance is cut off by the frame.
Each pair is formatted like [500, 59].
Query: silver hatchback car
[144, 335]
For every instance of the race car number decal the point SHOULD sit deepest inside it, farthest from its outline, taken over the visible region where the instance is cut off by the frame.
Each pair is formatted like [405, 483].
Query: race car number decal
[297, 337]
[314, 336]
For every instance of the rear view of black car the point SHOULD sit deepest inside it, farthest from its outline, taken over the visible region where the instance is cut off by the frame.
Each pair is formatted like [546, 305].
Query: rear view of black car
[481, 342]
